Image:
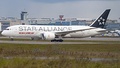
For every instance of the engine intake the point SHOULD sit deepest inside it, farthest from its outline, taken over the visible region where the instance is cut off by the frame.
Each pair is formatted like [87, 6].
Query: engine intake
[48, 36]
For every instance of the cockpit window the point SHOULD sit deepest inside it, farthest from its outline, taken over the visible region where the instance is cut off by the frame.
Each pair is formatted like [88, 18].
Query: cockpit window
[7, 29]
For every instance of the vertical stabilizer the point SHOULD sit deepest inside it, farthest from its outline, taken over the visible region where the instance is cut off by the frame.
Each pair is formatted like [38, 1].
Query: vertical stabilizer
[101, 21]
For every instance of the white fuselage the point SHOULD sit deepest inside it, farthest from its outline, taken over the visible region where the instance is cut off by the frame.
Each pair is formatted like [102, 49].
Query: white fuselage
[55, 33]
[36, 30]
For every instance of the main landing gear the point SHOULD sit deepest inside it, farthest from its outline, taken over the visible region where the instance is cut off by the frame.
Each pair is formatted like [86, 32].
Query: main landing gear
[57, 40]
[11, 38]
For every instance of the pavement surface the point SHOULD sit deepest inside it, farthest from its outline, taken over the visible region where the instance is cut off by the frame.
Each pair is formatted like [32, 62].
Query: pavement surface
[86, 41]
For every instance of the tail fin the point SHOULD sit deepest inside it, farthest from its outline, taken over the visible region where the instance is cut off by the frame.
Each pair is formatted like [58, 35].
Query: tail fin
[101, 21]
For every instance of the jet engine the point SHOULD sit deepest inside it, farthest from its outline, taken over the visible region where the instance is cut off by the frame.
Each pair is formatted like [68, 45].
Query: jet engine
[48, 36]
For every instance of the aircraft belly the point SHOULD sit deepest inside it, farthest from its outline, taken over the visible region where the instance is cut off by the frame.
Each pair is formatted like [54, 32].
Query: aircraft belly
[83, 34]
[77, 34]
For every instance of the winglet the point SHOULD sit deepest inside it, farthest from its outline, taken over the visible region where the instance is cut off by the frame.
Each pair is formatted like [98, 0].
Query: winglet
[101, 21]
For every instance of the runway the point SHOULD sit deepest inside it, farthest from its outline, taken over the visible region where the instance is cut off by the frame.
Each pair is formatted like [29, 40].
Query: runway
[96, 39]
[86, 41]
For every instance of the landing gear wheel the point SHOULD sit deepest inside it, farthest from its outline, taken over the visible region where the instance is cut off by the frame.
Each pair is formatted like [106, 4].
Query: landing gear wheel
[59, 40]
[11, 39]
[32, 38]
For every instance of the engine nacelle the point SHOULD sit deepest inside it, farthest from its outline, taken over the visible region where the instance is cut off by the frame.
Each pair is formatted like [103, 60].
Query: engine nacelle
[48, 36]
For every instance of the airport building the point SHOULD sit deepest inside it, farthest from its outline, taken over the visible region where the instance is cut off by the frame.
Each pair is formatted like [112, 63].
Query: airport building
[8, 21]
[4, 25]
[24, 15]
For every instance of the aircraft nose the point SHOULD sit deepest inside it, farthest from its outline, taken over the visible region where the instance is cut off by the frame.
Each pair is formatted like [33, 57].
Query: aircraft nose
[3, 33]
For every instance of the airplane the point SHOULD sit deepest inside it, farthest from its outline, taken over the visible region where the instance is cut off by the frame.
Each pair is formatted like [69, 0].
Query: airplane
[116, 32]
[56, 33]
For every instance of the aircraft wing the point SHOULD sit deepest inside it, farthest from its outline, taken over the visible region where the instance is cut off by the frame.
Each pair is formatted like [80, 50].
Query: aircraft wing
[102, 31]
[67, 32]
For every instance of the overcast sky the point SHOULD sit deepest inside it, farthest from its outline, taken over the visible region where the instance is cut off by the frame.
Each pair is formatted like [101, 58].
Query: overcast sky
[53, 8]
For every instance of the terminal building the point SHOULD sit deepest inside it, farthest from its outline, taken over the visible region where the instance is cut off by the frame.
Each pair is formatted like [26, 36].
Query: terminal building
[110, 25]
[8, 21]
